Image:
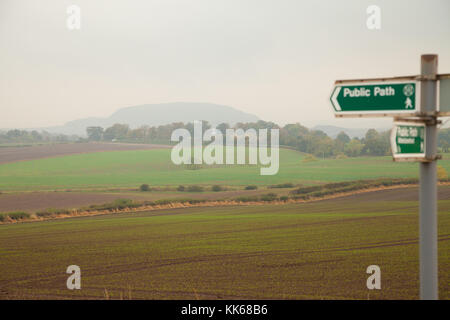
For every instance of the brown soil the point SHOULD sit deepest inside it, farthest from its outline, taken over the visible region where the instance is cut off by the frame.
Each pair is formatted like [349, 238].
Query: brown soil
[13, 154]
[360, 195]
[34, 201]
[410, 193]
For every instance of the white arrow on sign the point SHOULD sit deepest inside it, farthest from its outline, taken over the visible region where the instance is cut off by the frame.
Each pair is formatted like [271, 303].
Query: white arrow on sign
[334, 98]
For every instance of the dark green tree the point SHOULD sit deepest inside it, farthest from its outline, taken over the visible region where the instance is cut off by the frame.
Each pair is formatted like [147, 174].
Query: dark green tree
[94, 133]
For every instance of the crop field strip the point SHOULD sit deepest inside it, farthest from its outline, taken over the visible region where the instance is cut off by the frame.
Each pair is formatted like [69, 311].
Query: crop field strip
[129, 169]
[384, 189]
[14, 154]
[313, 250]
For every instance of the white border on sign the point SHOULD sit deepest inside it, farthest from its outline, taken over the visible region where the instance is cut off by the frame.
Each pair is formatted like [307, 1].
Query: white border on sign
[408, 155]
[377, 113]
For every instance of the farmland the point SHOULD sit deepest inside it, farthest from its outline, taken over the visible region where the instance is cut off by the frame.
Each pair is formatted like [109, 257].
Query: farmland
[129, 169]
[317, 250]
[32, 152]
[314, 250]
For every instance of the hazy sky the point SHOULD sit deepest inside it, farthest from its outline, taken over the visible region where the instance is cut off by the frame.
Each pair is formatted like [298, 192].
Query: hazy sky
[277, 59]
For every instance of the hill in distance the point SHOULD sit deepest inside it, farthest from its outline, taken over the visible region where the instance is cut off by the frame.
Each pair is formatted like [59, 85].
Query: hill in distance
[165, 113]
[160, 114]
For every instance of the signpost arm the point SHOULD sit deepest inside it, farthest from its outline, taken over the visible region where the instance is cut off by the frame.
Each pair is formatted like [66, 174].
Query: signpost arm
[428, 184]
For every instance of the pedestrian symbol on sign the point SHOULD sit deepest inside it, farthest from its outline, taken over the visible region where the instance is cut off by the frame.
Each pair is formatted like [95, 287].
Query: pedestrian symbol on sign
[408, 103]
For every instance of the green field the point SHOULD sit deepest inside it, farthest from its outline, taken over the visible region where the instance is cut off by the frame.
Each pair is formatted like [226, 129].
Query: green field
[315, 250]
[129, 169]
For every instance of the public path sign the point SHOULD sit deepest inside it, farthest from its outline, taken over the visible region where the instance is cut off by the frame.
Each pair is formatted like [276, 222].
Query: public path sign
[379, 99]
[408, 141]
[444, 96]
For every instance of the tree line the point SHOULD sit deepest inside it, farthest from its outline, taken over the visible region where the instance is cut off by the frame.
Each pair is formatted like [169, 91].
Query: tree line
[34, 136]
[294, 135]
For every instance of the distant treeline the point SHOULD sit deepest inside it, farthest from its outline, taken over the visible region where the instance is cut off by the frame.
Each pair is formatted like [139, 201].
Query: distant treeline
[25, 136]
[296, 136]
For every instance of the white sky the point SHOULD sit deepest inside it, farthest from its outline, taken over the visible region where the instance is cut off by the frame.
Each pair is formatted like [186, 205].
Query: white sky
[277, 59]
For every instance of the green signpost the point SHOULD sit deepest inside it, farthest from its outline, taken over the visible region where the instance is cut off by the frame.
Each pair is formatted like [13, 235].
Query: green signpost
[444, 96]
[375, 98]
[414, 101]
[408, 141]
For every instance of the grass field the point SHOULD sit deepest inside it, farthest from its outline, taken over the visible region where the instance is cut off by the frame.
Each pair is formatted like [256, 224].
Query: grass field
[314, 250]
[154, 167]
